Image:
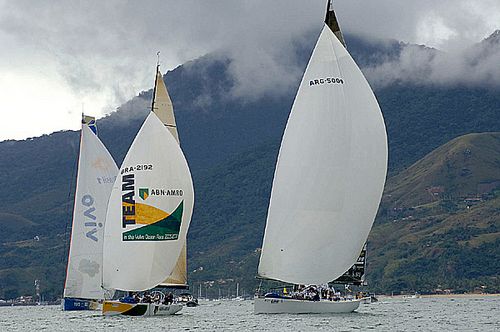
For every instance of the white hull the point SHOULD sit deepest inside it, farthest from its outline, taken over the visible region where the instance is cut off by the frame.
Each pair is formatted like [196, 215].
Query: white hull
[113, 308]
[292, 306]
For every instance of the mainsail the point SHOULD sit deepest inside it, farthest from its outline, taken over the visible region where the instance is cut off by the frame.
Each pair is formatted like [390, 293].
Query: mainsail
[163, 108]
[96, 174]
[149, 211]
[330, 171]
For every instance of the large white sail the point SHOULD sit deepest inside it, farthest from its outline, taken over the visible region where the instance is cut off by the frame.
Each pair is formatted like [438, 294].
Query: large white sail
[330, 172]
[96, 174]
[149, 211]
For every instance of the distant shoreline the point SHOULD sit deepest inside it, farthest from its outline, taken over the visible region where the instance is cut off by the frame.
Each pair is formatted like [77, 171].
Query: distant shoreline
[409, 296]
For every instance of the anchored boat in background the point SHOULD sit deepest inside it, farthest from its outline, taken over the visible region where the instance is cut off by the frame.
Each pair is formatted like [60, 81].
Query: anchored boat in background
[328, 180]
[95, 177]
[148, 214]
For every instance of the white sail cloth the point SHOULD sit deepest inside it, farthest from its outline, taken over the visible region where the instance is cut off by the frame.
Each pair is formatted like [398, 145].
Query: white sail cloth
[96, 174]
[330, 172]
[159, 184]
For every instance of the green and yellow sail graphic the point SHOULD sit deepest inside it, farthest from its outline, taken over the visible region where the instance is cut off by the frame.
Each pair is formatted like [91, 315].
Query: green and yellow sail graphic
[159, 225]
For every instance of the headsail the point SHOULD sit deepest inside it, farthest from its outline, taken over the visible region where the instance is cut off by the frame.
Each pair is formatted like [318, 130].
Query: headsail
[96, 174]
[149, 211]
[330, 172]
[162, 106]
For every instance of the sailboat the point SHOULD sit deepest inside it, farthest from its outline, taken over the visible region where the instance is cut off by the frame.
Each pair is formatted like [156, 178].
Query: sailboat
[148, 215]
[95, 177]
[328, 181]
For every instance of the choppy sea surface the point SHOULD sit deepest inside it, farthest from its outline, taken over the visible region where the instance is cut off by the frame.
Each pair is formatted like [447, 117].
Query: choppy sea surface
[389, 314]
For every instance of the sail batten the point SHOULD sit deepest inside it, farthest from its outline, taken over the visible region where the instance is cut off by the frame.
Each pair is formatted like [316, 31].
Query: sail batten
[330, 171]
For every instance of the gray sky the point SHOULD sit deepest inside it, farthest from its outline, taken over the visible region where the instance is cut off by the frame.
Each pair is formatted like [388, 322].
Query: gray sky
[59, 55]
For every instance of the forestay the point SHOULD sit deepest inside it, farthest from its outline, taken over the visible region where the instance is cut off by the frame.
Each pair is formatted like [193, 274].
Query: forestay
[96, 174]
[149, 211]
[330, 172]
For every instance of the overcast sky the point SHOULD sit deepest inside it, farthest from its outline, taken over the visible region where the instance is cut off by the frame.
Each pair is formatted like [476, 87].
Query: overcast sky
[59, 56]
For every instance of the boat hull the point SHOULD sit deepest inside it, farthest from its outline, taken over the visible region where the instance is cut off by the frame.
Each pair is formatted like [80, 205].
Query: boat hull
[292, 306]
[113, 308]
[71, 304]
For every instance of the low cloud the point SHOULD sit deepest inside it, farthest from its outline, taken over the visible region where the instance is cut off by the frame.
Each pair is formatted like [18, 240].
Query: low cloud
[474, 66]
[104, 52]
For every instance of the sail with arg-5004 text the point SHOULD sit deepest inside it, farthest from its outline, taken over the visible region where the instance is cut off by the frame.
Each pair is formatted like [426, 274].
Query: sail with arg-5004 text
[330, 171]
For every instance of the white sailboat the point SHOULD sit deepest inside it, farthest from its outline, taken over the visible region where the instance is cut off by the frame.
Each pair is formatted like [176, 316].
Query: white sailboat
[96, 174]
[328, 180]
[148, 216]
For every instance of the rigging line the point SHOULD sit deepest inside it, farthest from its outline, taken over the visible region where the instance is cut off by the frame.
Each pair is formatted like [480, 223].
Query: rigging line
[68, 215]
[156, 81]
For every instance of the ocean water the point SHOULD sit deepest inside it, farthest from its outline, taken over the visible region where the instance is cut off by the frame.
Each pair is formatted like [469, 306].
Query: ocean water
[390, 314]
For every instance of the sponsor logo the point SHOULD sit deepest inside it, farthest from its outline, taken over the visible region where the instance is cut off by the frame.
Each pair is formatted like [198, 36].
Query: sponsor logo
[91, 222]
[143, 222]
[143, 193]
[128, 200]
[166, 192]
[328, 80]
[163, 228]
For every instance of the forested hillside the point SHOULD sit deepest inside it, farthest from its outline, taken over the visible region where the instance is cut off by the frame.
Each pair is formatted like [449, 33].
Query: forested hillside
[231, 144]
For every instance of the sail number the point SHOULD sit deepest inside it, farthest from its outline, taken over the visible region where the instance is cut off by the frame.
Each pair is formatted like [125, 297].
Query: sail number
[145, 167]
[328, 80]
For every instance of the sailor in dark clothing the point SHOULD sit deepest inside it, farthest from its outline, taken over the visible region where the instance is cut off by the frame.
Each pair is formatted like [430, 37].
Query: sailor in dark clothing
[169, 298]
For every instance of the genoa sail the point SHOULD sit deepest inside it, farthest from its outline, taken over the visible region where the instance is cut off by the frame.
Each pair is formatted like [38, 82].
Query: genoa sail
[96, 175]
[163, 108]
[149, 211]
[330, 172]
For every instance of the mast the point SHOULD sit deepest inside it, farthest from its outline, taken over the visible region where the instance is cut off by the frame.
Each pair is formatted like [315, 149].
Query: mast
[333, 24]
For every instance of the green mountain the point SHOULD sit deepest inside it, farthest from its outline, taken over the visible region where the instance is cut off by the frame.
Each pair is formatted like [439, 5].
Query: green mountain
[447, 243]
[439, 224]
[231, 145]
[464, 167]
